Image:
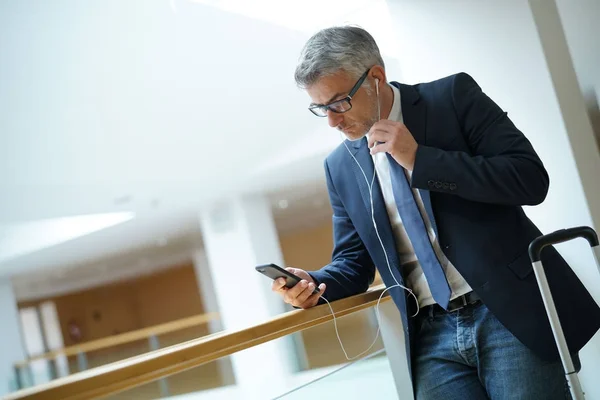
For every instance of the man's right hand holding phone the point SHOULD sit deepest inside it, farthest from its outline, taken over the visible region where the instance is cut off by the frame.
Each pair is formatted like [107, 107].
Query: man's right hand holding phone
[301, 294]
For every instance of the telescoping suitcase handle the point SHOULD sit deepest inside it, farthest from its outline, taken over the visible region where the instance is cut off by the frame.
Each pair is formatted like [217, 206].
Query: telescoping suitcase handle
[535, 251]
[563, 235]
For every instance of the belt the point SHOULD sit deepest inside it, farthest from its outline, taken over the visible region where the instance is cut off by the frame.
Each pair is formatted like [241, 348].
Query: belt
[459, 302]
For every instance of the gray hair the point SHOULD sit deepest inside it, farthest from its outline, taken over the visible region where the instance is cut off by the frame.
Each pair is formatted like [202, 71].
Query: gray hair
[330, 50]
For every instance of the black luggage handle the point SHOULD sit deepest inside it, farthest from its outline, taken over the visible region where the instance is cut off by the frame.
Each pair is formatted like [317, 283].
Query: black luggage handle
[563, 235]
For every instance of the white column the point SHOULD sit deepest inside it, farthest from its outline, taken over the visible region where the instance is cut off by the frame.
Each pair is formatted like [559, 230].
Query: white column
[11, 344]
[239, 234]
[210, 304]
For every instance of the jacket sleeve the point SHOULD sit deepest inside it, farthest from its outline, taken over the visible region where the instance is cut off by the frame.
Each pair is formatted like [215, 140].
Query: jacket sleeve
[351, 270]
[503, 168]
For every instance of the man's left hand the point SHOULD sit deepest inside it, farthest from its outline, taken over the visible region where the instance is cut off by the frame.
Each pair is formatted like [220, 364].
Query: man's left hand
[394, 138]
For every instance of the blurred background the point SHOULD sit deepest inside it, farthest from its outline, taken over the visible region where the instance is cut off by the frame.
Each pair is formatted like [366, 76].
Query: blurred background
[153, 152]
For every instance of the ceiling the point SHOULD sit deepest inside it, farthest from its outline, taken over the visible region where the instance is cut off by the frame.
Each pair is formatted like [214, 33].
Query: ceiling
[157, 109]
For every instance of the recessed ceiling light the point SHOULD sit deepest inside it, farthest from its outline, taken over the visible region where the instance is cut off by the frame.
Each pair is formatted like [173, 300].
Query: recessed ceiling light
[283, 204]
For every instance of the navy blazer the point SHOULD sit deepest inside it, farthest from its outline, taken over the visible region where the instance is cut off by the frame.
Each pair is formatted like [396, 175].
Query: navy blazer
[474, 170]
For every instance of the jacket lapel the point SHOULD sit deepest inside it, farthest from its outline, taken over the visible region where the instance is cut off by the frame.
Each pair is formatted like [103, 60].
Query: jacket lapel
[414, 112]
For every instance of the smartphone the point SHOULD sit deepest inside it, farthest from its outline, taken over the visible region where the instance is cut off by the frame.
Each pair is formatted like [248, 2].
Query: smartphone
[275, 272]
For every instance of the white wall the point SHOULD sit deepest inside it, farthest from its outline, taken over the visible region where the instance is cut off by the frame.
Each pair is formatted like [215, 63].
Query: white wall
[11, 346]
[580, 23]
[499, 46]
[570, 99]
[579, 19]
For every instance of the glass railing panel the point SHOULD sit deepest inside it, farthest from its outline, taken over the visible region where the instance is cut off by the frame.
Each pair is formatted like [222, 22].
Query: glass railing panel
[353, 380]
[357, 331]
[211, 380]
[358, 379]
[262, 363]
[311, 354]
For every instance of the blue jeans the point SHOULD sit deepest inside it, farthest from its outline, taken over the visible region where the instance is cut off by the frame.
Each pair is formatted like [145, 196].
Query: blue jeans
[469, 354]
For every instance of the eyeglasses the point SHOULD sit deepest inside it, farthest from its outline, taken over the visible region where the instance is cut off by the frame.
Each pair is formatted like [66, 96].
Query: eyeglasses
[339, 106]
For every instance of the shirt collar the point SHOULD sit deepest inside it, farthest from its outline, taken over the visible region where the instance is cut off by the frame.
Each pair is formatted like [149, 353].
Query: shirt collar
[396, 112]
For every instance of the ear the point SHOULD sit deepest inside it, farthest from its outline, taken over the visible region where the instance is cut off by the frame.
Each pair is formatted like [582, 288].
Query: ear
[378, 73]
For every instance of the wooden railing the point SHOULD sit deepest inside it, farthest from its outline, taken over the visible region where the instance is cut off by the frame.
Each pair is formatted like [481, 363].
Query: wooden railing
[123, 375]
[123, 338]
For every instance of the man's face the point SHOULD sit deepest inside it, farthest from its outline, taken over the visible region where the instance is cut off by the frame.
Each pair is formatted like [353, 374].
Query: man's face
[356, 122]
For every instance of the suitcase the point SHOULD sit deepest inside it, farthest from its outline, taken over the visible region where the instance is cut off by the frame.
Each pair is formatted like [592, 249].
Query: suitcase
[535, 249]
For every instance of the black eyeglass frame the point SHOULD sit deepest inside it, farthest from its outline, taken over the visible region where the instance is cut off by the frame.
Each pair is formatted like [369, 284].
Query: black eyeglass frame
[348, 99]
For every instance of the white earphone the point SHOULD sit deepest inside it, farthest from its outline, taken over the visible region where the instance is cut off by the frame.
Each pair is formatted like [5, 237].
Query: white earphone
[378, 104]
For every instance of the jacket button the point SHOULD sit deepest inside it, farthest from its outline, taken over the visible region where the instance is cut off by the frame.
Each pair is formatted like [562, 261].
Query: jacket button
[438, 184]
[446, 185]
[453, 186]
[431, 183]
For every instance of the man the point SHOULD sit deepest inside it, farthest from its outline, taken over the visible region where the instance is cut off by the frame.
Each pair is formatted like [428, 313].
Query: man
[453, 173]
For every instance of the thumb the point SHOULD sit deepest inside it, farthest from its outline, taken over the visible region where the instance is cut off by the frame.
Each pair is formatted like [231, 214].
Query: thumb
[298, 272]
